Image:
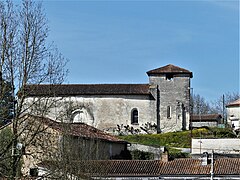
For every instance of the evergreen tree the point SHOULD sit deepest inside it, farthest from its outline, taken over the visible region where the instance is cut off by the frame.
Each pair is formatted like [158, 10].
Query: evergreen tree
[6, 102]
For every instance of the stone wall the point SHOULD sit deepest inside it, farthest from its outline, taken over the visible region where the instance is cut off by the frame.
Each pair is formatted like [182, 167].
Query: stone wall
[104, 112]
[174, 93]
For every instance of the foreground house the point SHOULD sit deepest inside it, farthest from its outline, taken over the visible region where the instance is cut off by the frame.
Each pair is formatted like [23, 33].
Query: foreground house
[161, 105]
[43, 139]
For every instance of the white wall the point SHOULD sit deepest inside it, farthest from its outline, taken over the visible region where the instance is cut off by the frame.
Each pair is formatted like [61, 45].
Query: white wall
[223, 146]
[233, 116]
[105, 112]
[205, 123]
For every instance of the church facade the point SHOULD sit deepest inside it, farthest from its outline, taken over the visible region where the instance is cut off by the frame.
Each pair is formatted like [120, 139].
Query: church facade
[162, 105]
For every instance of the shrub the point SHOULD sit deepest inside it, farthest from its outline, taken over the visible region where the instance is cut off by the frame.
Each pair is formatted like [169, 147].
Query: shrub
[141, 155]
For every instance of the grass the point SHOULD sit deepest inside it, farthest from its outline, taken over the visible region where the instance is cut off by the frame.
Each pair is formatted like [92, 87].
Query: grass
[178, 139]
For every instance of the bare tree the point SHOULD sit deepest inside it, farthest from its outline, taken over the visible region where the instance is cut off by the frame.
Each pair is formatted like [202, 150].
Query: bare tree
[219, 105]
[200, 105]
[25, 58]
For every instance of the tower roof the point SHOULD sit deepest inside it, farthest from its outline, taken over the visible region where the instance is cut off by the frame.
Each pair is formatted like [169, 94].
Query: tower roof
[169, 69]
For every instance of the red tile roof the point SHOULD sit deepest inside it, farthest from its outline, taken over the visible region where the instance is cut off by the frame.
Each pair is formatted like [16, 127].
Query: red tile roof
[114, 168]
[234, 103]
[129, 167]
[181, 167]
[227, 166]
[169, 69]
[206, 117]
[78, 129]
[86, 89]
[184, 167]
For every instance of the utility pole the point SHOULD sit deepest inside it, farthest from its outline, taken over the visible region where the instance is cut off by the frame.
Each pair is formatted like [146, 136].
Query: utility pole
[212, 166]
[158, 111]
[191, 109]
[223, 109]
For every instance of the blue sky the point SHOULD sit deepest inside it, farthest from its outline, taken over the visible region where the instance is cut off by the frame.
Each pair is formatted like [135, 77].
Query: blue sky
[119, 41]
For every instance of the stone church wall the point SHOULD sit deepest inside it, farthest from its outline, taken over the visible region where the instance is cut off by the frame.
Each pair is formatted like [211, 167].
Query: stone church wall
[104, 112]
[163, 103]
[174, 97]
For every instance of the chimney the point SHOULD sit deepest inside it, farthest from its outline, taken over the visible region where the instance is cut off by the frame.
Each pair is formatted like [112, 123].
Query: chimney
[164, 156]
[205, 159]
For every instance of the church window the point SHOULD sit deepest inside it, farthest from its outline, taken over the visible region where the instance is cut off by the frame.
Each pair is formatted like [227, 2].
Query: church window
[134, 118]
[169, 112]
[82, 115]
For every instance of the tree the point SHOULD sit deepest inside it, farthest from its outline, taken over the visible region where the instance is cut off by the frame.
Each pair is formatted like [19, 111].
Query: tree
[200, 106]
[6, 103]
[219, 105]
[5, 163]
[25, 58]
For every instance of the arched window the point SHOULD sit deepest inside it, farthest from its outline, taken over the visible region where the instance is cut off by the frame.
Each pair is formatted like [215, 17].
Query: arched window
[82, 115]
[134, 118]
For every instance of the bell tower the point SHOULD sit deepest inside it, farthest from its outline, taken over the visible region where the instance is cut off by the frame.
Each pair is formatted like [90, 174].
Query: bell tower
[173, 86]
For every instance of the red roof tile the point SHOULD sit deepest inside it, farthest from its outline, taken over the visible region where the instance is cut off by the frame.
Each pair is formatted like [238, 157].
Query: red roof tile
[114, 168]
[131, 168]
[227, 166]
[234, 103]
[148, 168]
[78, 129]
[185, 166]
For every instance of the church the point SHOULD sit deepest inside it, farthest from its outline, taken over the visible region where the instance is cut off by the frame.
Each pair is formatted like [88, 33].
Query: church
[161, 105]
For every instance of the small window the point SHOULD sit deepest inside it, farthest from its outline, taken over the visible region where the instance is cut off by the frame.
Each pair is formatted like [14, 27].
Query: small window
[33, 172]
[169, 112]
[169, 77]
[134, 117]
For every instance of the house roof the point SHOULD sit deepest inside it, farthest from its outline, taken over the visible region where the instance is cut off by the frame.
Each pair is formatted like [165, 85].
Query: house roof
[86, 89]
[169, 69]
[206, 117]
[155, 168]
[78, 129]
[127, 168]
[113, 168]
[185, 166]
[227, 166]
[234, 103]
